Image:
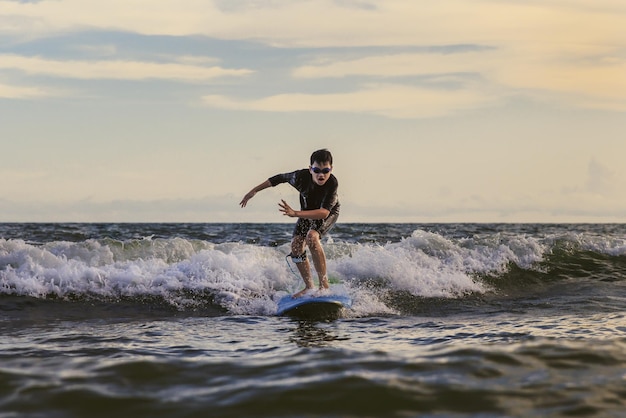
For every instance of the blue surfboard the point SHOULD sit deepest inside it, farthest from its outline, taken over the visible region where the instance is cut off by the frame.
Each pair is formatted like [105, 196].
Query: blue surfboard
[314, 307]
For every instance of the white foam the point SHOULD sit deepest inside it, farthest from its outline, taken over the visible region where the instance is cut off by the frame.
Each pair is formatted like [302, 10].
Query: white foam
[233, 273]
[249, 279]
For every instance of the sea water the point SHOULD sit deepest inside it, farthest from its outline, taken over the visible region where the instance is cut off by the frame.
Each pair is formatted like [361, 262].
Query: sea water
[178, 320]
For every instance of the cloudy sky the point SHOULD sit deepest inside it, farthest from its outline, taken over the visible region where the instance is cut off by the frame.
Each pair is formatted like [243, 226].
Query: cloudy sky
[435, 111]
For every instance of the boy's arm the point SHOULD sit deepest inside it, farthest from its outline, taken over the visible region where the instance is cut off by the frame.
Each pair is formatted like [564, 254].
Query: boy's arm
[254, 191]
[287, 210]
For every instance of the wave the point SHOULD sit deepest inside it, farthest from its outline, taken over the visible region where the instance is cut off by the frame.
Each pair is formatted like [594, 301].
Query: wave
[241, 278]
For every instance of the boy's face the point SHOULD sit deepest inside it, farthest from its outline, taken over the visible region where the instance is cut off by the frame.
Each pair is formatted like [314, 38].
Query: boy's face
[320, 172]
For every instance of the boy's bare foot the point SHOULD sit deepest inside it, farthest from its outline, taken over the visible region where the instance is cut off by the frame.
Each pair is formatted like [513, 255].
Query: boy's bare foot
[302, 292]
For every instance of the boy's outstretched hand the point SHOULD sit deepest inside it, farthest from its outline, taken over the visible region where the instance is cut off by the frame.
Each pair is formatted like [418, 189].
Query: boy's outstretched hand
[245, 199]
[286, 209]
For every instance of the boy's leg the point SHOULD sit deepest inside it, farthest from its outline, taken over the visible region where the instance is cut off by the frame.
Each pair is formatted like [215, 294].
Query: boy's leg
[319, 257]
[297, 248]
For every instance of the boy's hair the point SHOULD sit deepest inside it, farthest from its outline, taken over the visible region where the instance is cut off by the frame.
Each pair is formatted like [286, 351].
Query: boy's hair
[322, 156]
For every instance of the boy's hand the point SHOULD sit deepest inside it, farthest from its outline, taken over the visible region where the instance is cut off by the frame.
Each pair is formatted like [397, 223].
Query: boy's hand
[247, 197]
[286, 209]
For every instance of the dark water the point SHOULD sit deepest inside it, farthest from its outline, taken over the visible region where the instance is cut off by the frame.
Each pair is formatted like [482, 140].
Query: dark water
[178, 320]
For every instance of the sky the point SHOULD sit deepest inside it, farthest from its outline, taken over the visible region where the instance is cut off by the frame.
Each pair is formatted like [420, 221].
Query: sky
[435, 111]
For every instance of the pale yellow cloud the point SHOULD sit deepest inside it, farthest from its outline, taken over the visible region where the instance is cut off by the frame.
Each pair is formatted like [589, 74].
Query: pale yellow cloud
[390, 100]
[142, 16]
[331, 23]
[583, 75]
[116, 69]
[21, 92]
[578, 75]
[570, 51]
[398, 65]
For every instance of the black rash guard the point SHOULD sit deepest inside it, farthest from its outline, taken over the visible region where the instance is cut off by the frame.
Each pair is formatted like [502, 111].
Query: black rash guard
[312, 195]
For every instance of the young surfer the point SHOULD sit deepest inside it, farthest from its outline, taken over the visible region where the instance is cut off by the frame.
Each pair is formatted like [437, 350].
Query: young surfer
[319, 209]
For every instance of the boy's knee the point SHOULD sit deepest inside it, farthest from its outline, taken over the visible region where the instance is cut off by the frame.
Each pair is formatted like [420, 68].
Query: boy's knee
[312, 238]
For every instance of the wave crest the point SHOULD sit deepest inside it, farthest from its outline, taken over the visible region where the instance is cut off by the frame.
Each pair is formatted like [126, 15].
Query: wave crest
[245, 278]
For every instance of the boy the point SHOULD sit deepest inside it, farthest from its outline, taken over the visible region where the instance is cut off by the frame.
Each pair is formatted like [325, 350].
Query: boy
[319, 209]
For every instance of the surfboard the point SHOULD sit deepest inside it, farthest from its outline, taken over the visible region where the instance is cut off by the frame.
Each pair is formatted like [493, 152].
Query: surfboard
[314, 307]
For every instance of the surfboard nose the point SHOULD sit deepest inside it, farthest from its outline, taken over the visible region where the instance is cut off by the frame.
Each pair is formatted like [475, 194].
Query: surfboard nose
[314, 307]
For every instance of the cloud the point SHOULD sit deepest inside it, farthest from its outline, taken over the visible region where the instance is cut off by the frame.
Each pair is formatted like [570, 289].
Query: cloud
[331, 22]
[573, 75]
[41, 19]
[588, 76]
[395, 65]
[21, 92]
[117, 69]
[582, 75]
[390, 100]
[567, 51]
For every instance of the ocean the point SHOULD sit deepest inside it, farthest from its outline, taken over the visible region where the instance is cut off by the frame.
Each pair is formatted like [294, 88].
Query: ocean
[178, 320]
